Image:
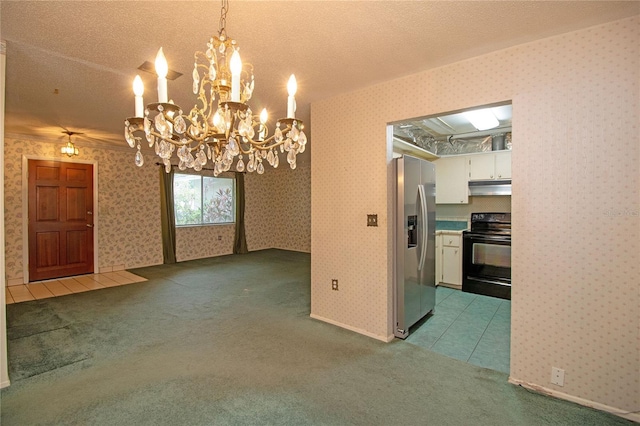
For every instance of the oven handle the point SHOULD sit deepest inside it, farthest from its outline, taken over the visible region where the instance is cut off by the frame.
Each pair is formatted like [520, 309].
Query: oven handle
[485, 237]
[425, 240]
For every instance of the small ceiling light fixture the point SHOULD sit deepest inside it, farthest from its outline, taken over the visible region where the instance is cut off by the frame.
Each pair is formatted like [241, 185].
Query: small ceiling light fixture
[482, 119]
[70, 149]
[221, 127]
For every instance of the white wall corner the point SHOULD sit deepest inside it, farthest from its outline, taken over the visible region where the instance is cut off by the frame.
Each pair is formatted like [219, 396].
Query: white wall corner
[4, 371]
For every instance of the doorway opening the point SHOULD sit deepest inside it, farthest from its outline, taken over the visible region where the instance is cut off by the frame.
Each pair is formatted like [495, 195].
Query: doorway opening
[474, 328]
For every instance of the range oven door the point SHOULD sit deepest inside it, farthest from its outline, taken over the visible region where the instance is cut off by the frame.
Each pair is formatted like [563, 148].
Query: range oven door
[486, 264]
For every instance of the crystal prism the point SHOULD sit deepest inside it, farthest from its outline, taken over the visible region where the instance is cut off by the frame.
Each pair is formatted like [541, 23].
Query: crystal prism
[160, 123]
[291, 157]
[146, 125]
[196, 76]
[240, 166]
[212, 71]
[277, 136]
[129, 137]
[139, 158]
[179, 125]
[251, 167]
[295, 134]
[260, 168]
[302, 139]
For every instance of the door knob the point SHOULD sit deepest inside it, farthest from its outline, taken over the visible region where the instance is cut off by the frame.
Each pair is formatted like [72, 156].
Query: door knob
[89, 225]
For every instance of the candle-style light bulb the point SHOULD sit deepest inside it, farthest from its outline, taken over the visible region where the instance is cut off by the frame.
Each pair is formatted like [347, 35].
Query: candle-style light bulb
[235, 64]
[138, 91]
[162, 68]
[292, 87]
[263, 120]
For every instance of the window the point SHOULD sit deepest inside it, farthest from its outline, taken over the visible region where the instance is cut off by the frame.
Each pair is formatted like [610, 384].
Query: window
[201, 200]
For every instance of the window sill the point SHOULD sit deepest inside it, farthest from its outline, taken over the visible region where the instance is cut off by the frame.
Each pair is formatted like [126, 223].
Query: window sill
[205, 225]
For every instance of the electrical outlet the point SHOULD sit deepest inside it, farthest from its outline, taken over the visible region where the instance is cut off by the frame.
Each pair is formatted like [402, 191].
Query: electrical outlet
[219, 237]
[334, 285]
[557, 376]
[372, 220]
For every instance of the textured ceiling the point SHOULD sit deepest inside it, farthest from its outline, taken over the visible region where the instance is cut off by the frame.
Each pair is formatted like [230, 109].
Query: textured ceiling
[71, 64]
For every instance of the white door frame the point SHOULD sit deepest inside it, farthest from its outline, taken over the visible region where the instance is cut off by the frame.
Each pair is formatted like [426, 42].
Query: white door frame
[25, 208]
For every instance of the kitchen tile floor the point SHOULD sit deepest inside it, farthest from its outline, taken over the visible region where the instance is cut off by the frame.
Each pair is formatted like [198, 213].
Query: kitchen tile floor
[63, 286]
[469, 327]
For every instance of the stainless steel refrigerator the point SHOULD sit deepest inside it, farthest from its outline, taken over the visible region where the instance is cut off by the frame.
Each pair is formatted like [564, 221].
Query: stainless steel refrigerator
[414, 263]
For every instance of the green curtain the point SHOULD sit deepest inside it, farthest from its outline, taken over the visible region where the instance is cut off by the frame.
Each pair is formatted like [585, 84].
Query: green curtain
[167, 216]
[240, 241]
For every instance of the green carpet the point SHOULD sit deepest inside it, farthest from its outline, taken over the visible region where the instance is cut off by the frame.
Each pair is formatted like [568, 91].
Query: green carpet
[228, 340]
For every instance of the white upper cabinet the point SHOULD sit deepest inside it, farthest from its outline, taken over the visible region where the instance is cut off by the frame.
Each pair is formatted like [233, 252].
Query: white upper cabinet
[482, 166]
[490, 165]
[452, 184]
[503, 164]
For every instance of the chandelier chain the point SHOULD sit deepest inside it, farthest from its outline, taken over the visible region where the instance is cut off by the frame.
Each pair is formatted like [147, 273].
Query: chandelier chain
[223, 18]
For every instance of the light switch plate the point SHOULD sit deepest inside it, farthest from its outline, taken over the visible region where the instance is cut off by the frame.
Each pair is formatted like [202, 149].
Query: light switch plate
[372, 220]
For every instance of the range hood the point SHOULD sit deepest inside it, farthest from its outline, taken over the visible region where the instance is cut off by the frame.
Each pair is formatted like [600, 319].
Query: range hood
[489, 187]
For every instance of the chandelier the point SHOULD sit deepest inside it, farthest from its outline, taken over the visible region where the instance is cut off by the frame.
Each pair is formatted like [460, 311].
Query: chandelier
[69, 148]
[221, 127]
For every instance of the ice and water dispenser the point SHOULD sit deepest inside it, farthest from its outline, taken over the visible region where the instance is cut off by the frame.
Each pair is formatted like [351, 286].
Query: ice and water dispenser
[412, 231]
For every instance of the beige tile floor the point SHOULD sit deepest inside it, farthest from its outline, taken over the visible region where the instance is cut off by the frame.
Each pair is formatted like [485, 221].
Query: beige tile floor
[62, 286]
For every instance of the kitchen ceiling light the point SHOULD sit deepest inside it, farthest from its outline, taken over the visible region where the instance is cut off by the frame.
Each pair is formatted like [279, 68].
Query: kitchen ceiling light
[69, 148]
[482, 119]
[221, 126]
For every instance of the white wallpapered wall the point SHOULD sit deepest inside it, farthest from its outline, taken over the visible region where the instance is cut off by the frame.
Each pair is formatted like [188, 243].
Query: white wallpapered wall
[128, 205]
[129, 210]
[278, 209]
[575, 202]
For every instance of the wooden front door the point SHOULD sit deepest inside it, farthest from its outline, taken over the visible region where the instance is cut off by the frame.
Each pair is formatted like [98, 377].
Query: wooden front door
[60, 219]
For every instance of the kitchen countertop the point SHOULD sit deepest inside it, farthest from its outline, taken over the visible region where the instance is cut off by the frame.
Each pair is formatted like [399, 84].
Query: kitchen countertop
[451, 225]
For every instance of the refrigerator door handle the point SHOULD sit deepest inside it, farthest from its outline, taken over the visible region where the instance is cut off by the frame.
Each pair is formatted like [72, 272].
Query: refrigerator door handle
[423, 232]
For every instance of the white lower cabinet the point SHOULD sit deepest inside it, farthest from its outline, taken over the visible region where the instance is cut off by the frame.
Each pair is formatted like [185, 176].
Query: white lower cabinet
[449, 258]
[438, 258]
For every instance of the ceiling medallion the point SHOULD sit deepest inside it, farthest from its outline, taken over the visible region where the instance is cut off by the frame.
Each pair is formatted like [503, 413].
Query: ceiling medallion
[221, 126]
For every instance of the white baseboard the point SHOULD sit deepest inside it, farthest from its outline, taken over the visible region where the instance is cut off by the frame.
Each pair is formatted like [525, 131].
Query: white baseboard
[197, 257]
[15, 281]
[633, 416]
[351, 328]
[292, 249]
